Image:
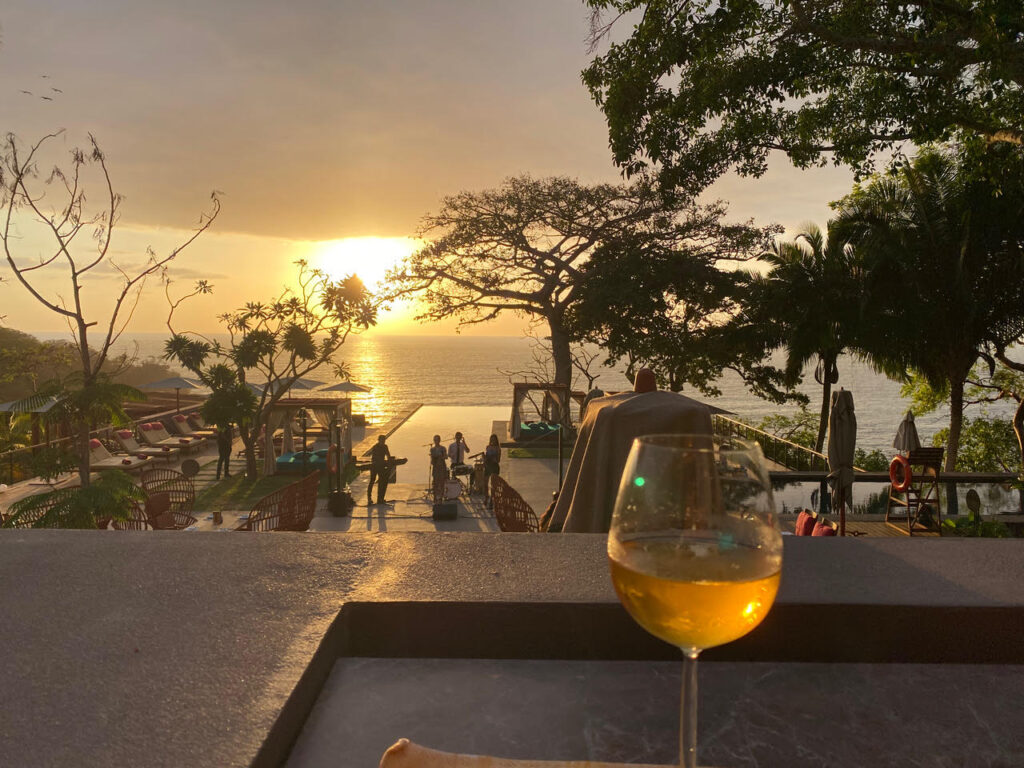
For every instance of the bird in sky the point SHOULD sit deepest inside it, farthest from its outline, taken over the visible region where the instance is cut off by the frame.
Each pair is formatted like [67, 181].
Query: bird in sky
[28, 92]
[46, 98]
[56, 90]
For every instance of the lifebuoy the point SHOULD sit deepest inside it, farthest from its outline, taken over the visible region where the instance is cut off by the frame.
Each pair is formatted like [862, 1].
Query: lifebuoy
[332, 456]
[899, 473]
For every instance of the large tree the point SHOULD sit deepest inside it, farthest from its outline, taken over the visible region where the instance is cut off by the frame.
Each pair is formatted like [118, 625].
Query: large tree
[279, 341]
[943, 246]
[526, 247]
[700, 88]
[53, 207]
[669, 308]
[809, 302]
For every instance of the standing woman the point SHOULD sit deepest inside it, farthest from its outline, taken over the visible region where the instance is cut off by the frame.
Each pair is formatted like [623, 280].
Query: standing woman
[438, 471]
[492, 465]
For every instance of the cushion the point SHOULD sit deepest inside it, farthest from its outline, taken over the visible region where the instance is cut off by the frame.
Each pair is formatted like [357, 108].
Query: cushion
[179, 417]
[94, 443]
[805, 522]
[823, 529]
[126, 461]
[146, 427]
[124, 434]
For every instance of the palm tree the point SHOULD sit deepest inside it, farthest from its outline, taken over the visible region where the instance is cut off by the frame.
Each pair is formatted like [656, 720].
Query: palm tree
[943, 244]
[811, 298]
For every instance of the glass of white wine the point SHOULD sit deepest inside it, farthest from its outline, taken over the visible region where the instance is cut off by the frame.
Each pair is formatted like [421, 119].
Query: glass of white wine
[695, 548]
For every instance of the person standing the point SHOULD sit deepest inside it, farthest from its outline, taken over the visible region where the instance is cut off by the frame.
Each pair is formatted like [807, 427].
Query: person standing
[225, 437]
[457, 453]
[380, 470]
[438, 470]
[492, 466]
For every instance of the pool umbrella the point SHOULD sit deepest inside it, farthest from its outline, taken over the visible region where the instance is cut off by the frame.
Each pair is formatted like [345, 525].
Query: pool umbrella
[842, 439]
[177, 383]
[906, 436]
[346, 386]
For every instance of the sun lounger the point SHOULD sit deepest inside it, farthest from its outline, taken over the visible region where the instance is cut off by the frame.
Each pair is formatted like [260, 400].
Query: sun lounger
[100, 458]
[179, 424]
[154, 435]
[128, 442]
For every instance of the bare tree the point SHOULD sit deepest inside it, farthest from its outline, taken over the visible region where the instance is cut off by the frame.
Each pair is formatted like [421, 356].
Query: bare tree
[80, 240]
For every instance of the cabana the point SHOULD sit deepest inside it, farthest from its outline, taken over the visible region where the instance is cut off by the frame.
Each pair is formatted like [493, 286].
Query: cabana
[554, 409]
[326, 411]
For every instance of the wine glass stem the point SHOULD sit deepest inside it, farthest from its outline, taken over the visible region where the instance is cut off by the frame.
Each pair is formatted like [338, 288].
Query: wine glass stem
[688, 711]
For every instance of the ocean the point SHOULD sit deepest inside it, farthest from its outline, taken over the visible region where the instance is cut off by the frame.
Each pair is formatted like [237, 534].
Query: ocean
[478, 371]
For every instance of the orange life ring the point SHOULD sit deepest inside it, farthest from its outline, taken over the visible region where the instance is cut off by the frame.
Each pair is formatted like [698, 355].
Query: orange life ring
[899, 473]
[332, 456]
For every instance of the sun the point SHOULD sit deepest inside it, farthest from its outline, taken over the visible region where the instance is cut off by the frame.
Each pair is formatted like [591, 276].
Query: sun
[368, 257]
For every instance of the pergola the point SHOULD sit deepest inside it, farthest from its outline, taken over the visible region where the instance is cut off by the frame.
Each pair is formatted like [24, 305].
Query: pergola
[326, 411]
[554, 408]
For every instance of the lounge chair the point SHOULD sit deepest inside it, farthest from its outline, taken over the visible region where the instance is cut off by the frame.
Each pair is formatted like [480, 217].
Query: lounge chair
[510, 509]
[179, 424]
[128, 442]
[100, 459]
[180, 487]
[288, 509]
[154, 436]
[154, 433]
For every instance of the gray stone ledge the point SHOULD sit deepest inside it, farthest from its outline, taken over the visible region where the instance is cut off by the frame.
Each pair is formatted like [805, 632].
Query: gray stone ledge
[173, 649]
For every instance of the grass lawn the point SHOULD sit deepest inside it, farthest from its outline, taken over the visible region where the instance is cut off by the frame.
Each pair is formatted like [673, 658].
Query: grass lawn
[236, 492]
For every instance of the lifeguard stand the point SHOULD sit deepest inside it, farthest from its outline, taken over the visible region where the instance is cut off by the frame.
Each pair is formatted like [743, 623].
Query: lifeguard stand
[917, 490]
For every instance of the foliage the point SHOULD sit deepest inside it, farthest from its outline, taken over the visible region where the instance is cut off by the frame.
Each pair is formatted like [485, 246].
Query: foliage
[924, 398]
[941, 241]
[964, 526]
[872, 461]
[111, 495]
[800, 428]
[50, 462]
[281, 341]
[986, 445]
[810, 299]
[667, 307]
[531, 246]
[700, 88]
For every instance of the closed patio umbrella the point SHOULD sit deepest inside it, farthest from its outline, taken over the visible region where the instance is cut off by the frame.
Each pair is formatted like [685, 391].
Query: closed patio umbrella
[906, 436]
[842, 439]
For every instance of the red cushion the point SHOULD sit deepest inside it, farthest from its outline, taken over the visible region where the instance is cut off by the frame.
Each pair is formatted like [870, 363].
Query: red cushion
[124, 434]
[179, 417]
[805, 522]
[126, 461]
[184, 441]
[146, 427]
[94, 443]
[165, 448]
[823, 529]
[141, 455]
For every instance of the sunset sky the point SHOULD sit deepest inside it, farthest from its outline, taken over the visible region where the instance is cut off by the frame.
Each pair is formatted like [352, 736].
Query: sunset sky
[319, 122]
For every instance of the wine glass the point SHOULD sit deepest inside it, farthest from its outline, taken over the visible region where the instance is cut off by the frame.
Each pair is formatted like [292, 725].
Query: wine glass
[695, 549]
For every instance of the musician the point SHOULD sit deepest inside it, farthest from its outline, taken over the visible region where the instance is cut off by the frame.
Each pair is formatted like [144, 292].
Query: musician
[380, 470]
[492, 466]
[457, 453]
[438, 469]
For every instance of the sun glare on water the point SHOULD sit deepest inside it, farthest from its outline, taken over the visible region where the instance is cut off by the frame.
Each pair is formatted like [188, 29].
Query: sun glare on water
[368, 257]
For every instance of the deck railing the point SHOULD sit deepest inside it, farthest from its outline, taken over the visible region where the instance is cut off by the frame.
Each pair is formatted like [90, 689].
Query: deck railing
[783, 452]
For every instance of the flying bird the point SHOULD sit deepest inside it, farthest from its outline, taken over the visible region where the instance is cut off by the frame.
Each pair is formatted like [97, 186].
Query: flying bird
[45, 77]
[56, 90]
[46, 98]
[28, 92]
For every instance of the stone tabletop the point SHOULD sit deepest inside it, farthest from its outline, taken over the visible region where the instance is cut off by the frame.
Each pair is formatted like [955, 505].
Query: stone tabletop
[174, 649]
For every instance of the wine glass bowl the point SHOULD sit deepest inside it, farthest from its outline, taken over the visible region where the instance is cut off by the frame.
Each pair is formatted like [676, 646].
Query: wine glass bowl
[694, 546]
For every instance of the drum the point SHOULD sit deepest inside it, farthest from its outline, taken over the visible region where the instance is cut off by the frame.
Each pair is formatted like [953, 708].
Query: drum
[461, 469]
[452, 489]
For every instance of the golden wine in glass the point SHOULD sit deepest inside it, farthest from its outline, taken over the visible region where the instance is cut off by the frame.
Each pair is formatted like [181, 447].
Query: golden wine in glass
[694, 548]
